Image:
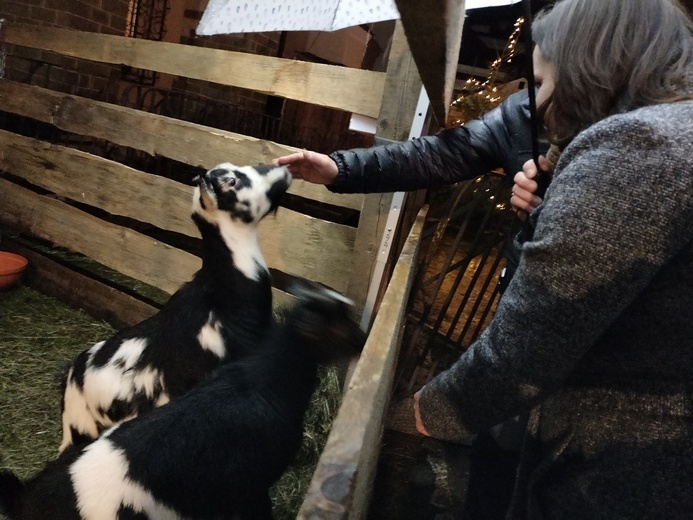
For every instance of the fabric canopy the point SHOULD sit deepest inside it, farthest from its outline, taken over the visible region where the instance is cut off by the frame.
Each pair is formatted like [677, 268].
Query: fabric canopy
[433, 28]
[239, 16]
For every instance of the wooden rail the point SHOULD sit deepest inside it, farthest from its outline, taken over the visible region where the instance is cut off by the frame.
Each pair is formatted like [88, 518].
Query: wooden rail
[342, 481]
[301, 244]
[352, 90]
[57, 193]
[185, 142]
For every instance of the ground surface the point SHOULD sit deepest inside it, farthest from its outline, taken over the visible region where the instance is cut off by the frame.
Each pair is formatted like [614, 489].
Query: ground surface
[39, 334]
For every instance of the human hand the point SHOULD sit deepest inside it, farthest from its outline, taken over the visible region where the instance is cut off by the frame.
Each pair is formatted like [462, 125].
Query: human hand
[524, 198]
[313, 167]
[417, 415]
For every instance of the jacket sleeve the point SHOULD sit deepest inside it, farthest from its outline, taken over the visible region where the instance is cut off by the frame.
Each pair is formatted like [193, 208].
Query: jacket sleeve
[445, 158]
[617, 187]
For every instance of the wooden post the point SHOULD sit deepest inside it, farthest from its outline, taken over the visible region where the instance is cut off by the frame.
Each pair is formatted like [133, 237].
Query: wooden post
[402, 87]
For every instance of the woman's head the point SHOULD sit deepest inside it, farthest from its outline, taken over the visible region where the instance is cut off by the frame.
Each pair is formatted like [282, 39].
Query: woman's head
[607, 56]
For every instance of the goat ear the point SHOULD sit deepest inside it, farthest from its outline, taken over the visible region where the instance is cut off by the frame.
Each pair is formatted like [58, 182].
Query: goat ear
[305, 289]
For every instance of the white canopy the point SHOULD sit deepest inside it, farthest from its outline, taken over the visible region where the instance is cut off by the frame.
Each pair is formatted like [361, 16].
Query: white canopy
[239, 16]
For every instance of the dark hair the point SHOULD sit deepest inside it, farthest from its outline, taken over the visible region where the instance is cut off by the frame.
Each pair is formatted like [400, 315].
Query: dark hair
[612, 56]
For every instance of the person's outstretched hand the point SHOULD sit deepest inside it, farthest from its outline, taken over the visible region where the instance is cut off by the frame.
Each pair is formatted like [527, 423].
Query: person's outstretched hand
[524, 199]
[313, 167]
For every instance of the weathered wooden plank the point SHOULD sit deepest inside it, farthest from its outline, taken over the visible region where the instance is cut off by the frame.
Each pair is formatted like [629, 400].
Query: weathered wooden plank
[94, 297]
[394, 123]
[341, 485]
[434, 32]
[100, 183]
[80, 291]
[292, 242]
[122, 249]
[189, 143]
[352, 90]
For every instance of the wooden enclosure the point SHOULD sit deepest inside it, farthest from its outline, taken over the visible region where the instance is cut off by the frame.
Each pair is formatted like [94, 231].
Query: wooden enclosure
[134, 222]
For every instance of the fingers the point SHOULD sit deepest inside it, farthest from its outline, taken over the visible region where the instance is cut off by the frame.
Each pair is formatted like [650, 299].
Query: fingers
[524, 200]
[417, 416]
[530, 168]
[309, 166]
[290, 159]
[296, 162]
[544, 164]
[523, 196]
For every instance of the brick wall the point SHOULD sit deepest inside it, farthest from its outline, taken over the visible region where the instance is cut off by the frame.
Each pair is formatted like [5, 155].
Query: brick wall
[266, 44]
[234, 109]
[57, 72]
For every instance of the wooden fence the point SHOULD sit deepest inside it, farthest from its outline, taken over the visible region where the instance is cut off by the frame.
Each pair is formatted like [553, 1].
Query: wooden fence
[106, 210]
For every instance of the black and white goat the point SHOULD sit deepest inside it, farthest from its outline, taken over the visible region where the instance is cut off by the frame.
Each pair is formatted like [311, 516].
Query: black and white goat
[212, 453]
[226, 306]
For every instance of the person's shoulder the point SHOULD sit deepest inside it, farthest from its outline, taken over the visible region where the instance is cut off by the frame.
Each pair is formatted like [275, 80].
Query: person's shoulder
[664, 113]
[651, 123]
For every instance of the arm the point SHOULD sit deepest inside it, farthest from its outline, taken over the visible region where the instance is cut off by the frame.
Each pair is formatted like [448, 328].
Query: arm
[576, 276]
[445, 158]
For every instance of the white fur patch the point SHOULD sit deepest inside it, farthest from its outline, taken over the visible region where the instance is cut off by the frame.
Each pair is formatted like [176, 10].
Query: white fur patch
[116, 380]
[210, 337]
[112, 381]
[242, 241]
[101, 485]
[76, 414]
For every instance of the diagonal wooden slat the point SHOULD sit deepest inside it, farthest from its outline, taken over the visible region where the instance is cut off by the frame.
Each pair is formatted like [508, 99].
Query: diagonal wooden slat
[352, 90]
[434, 33]
[188, 143]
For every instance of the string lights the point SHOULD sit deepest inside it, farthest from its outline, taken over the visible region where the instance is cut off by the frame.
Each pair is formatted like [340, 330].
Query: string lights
[478, 97]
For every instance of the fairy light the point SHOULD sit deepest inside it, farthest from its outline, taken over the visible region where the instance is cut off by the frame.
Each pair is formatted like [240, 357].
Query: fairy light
[478, 96]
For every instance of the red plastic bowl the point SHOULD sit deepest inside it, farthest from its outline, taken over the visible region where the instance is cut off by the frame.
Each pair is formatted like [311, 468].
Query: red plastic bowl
[11, 268]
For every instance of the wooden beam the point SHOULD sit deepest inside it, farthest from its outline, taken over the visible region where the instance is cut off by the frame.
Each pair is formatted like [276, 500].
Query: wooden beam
[122, 249]
[352, 90]
[188, 143]
[291, 242]
[394, 124]
[342, 482]
[80, 291]
[100, 183]
[434, 32]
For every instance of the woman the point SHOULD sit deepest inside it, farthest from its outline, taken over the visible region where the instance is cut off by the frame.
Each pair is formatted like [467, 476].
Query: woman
[595, 331]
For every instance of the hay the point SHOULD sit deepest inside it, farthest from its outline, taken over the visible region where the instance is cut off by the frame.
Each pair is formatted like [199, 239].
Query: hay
[39, 334]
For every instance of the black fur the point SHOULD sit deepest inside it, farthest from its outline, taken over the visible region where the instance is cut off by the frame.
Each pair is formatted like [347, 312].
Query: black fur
[214, 452]
[238, 303]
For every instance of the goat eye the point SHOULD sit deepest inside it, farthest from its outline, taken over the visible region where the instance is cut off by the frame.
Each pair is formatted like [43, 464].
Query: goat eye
[231, 181]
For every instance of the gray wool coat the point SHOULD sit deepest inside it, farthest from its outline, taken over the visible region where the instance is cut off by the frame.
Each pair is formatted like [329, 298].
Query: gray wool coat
[595, 333]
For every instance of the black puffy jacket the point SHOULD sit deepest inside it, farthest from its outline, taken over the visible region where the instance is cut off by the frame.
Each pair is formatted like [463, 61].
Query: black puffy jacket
[500, 138]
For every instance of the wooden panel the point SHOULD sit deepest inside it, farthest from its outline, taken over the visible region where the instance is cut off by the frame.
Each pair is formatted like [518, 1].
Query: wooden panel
[342, 482]
[394, 123]
[122, 249]
[80, 291]
[189, 143]
[97, 182]
[291, 242]
[352, 90]
[434, 32]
